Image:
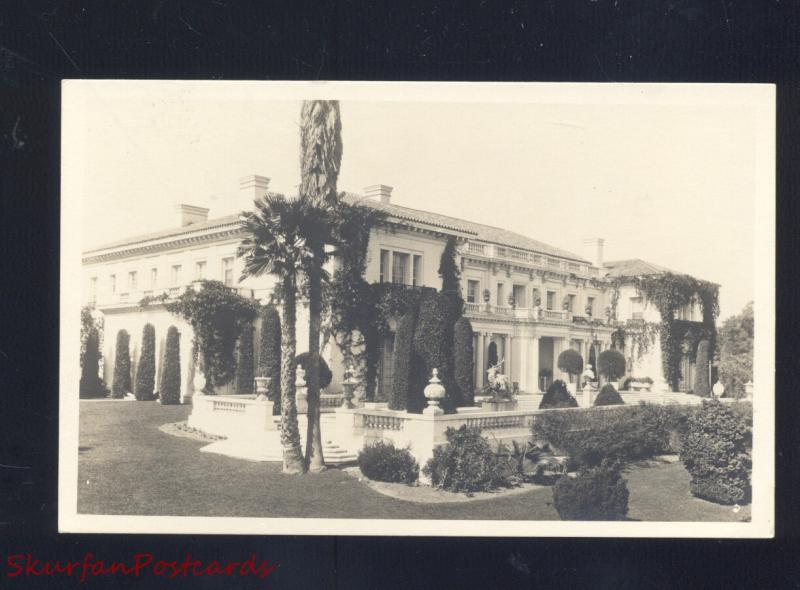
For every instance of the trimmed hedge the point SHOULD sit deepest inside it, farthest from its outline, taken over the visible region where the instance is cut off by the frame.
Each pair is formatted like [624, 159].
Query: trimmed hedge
[381, 461]
[715, 449]
[463, 367]
[701, 385]
[146, 369]
[91, 385]
[626, 433]
[325, 373]
[570, 361]
[611, 364]
[269, 358]
[245, 373]
[608, 396]
[596, 494]
[432, 348]
[170, 389]
[402, 376]
[557, 396]
[122, 366]
[466, 463]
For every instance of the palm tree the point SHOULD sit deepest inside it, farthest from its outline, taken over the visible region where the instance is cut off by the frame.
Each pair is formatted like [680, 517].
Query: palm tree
[275, 244]
[320, 159]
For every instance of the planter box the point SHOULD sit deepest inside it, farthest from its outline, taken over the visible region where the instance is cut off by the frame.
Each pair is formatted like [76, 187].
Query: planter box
[499, 406]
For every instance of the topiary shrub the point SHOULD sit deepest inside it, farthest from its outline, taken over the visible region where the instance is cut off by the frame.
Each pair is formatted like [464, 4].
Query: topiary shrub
[269, 357]
[122, 366]
[715, 449]
[608, 396]
[402, 377]
[701, 385]
[463, 368]
[570, 361]
[433, 341]
[596, 494]
[146, 369]
[381, 461]
[557, 396]
[170, 388]
[325, 374]
[245, 373]
[611, 364]
[466, 463]
[91, 385]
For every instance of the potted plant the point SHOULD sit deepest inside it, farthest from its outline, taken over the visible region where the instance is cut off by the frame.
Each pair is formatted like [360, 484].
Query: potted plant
[611, 365]
[571, 363]
[499, 387]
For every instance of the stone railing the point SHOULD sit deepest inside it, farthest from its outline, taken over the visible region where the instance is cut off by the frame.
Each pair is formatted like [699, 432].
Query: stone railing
[526, 257]
[384, 422]
[227, 405]
[329, 401]
[228, 416]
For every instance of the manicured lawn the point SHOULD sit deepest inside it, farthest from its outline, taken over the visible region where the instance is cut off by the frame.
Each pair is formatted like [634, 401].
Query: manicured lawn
[128, 466]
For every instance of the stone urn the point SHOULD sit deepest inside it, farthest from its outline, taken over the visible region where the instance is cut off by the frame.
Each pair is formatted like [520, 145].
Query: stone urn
[348, 390]
[301, 393]
[434, 393]
[262, 388]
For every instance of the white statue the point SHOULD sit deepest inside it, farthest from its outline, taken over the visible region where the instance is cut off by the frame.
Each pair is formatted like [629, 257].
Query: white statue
[300, 379]
[497, 383]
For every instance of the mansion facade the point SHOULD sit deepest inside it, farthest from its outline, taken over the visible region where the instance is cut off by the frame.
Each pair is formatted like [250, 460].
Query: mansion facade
[527, 301]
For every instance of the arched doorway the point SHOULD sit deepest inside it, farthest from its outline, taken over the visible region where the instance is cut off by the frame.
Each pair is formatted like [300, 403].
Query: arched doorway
[491, 355]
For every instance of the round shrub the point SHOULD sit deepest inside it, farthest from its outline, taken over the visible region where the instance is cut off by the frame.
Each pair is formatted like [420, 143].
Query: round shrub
[381, 461]
[570, 361]
[146, 370]
[701, 385]
[170, 389]
[463, 368]
[466, 463]
[611, 364]
[122, 366]
[557, 396]
[244, 364]
[596, 494]
[325, 374]
[269, 357]
[608, 396]
[91, 385]
[715, 449]
[402, 377]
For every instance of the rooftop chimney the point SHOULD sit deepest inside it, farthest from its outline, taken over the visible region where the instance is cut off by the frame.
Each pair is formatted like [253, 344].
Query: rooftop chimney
[191, 214]
[379, 191]
[593, 250]
[251, 188]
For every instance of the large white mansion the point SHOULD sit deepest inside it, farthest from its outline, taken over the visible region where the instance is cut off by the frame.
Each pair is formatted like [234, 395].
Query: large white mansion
[504, 275]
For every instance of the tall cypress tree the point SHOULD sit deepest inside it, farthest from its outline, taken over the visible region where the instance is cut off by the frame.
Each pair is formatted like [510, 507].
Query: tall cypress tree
[122, 366]
[402, 370]
[91, 385]
[170, 389]
[244, 362]
[146, 370]
[463, 366]
[269, 358]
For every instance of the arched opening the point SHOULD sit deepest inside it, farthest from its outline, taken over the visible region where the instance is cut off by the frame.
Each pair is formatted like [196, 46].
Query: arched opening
[491, 356]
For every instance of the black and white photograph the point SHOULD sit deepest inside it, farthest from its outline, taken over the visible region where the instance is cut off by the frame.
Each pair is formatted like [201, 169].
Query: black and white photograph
[459, 309]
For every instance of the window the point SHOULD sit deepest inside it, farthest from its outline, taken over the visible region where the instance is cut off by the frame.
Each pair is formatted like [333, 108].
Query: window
[200, 270]
[384, 266]
[519, 296]
[399, 268]
[500, 294]
[227, 272]
[472, 291]
[93, 289]
[590, 306]
[153, 278]
[571, 302]
[551, 300]
[416, 273]
[132, 280]
[176, 275]
[637, 308]
[113, 282]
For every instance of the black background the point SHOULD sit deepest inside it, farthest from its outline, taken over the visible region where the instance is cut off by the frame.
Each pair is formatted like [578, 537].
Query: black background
[551, 40]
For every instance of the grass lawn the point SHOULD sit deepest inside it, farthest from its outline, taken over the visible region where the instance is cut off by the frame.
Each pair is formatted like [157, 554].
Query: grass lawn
[128, 466]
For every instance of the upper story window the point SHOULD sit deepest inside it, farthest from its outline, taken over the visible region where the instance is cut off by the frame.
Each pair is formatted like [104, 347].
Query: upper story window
[132, 280]
[590, 306]
[637, 308]
[153, 278]
[551, 300]
[472, 291]
[400, 268]
[500, 293]
[176, 275]
[384, 278]
[113, 283]
[227, 271]
[93, 289]
[416, 271]
[200, 270]
[571, 302]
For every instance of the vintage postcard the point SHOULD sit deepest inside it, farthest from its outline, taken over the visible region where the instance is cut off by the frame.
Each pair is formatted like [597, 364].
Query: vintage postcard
[458, 309]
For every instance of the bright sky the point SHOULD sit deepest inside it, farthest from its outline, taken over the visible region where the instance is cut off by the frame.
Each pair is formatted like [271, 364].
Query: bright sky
[673, 184]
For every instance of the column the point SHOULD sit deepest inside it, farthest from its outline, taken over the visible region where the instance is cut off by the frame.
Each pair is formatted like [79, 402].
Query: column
[559, 345]
[507, 351]
[479, 360]
[523, 364]
[534, 368]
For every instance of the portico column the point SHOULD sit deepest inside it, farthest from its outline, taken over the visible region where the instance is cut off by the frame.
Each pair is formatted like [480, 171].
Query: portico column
[559, 346]
[534, 357]
[523, 364]
[508, 352]
[479, 361]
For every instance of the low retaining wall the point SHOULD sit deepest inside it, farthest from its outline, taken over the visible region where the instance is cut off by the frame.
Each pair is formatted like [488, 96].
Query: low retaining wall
[231, 416]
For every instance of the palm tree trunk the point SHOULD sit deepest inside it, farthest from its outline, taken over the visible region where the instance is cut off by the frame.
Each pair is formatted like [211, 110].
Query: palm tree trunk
[290, 432]
[315, 461]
